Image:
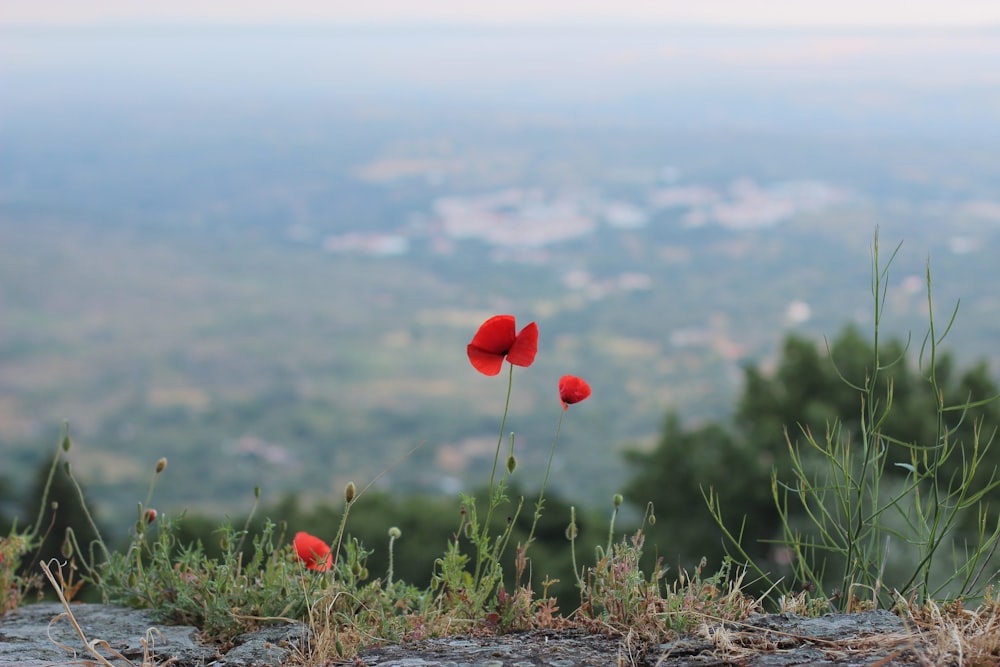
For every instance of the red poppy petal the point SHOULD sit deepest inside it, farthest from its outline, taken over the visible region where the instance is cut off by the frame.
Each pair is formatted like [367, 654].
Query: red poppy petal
[572, 390]
[313, 551]
[487, 363]
[525, 347]
[496, 334]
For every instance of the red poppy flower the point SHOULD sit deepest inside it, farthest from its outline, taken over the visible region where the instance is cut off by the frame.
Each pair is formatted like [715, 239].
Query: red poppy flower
[496, 341]
[150, 515]
[313, 551]
[572, 390]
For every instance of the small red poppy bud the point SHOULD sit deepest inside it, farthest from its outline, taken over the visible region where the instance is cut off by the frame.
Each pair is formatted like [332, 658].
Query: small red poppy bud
[572, 390]
[149, 515]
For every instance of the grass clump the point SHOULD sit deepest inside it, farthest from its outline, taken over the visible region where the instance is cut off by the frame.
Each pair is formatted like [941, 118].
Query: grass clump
[860, 537]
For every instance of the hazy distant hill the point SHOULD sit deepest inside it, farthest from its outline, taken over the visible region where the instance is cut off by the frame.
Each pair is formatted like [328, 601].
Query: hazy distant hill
[245, 256]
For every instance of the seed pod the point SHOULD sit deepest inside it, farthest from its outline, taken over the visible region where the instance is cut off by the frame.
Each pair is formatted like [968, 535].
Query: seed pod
[571, 532]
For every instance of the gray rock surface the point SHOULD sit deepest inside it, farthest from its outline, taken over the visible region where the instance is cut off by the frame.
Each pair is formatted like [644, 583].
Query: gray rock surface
[41, 634]
[782, 640]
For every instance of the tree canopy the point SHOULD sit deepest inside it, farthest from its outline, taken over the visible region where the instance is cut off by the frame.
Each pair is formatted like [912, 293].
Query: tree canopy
[812, 388]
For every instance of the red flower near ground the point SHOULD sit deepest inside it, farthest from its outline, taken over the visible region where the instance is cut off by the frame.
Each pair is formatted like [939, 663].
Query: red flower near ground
[313, 551]
[572, 390]
[496, 341]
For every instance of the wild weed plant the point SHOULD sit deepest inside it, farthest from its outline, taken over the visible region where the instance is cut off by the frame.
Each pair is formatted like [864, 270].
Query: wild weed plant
[854, 536]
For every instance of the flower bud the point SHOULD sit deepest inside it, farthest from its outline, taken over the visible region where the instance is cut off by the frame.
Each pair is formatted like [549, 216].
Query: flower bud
[67, 547]
[511, 464]
[571, 532]
[349, 492]
[149, 515]
[617, 500]
[571, 528]
[66, 442]
[395, 533]
[161, 465]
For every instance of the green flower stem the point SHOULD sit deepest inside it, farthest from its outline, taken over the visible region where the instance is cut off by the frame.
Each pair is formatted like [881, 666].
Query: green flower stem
[545, 481]
[503, 425]
[611, 528]
[340, 535]
[43, 504]
[484, 551]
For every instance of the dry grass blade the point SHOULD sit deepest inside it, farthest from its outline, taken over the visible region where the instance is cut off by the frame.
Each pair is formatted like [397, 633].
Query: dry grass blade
[955, 635]
[92, 645]
[736, 639]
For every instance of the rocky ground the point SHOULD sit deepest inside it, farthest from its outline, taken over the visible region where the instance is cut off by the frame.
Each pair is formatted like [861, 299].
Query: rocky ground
[43, 634]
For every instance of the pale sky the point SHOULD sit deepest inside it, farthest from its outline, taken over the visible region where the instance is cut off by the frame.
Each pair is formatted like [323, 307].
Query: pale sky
[824, 13]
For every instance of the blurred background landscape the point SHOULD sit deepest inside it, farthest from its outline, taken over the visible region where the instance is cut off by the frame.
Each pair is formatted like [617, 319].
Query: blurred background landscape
[259, 247]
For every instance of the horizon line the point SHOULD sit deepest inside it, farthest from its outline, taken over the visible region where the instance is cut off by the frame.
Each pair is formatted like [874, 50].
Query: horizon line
[404, 24]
